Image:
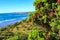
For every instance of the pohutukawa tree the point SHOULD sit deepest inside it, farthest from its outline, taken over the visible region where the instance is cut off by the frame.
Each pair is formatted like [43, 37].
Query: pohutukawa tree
[47, 13]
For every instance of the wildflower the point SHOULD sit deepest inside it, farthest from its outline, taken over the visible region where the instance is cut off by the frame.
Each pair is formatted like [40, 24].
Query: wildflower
[58, 1]
[37, 14]
[51, 14]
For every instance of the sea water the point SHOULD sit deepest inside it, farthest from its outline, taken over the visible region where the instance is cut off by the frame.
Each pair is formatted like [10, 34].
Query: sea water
[11, 18]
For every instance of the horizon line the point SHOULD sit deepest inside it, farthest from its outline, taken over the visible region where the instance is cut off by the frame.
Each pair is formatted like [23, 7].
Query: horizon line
[16, 12]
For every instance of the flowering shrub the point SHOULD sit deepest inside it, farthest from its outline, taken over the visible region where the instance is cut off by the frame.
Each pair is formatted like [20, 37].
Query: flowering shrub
[47, 12]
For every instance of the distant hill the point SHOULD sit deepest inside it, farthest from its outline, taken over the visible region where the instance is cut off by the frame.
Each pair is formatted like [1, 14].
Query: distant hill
[22, 12]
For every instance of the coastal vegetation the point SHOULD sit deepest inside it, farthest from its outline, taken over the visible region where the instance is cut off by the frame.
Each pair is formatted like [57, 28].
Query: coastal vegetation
[42, 24]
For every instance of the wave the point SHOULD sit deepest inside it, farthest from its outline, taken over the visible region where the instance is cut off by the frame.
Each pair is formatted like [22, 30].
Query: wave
[13, 19]
[7, 20]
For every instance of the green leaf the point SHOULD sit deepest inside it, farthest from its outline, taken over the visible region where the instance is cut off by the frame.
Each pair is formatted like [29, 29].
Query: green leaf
[59, 13]
[46, 4]
[44, 17]
[58, 8]
[28, 19]
[53, 4]
[41, 8]
[13, 38]
[58, 27]
[43, 0]
[39, 38]
[54, 34]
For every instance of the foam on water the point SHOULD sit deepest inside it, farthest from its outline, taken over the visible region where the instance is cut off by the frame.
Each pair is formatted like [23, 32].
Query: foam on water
[7, 19]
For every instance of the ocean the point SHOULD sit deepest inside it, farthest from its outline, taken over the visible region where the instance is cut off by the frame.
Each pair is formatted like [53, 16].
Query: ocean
[11, 18]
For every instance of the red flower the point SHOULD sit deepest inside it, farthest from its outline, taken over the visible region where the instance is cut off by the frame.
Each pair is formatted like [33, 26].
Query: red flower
[37, 14]
[58, 1]
[51, 14]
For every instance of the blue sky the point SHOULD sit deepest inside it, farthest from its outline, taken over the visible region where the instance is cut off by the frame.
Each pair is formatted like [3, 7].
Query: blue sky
[7, 6]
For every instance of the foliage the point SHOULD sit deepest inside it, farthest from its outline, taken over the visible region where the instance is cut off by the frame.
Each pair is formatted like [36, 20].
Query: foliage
[35, 35]
[13, 38]
[46, 14]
